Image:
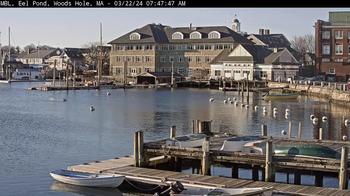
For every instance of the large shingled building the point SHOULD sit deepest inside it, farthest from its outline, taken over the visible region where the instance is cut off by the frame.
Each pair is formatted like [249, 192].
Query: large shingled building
[156, 48]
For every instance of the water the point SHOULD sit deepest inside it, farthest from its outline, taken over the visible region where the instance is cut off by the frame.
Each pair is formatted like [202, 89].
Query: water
[39, 132]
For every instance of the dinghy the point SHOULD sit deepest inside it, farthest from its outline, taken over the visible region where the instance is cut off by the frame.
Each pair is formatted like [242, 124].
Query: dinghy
[236, 144]
[187, 141]
[263, 191]
[87, 179]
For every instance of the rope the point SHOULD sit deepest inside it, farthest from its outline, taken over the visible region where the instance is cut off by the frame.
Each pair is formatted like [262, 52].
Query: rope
[141, 189]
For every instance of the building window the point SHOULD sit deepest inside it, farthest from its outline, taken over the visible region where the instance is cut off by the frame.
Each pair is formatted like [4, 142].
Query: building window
[326, 34]
[214, 35]
[207, 47]
[207, 59]
[326, 49]
[349, 36]
[198, 59]
[339, 49]
[263, 74]
[325, 60]
[177, 35]
[180, 59]
[171, 59]
[332, 71]
[217, 73]
[189, 59]
[338, 34]
[162, 59]
[338, 60]
[135, 36]
[147, 69]
[195, 35]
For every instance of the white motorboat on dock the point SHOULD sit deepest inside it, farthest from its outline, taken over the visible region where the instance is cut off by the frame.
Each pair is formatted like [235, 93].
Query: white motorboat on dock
[187, 141]
[236, 144]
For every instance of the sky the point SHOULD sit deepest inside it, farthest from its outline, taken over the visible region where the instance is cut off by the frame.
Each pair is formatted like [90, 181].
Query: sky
[75, 27]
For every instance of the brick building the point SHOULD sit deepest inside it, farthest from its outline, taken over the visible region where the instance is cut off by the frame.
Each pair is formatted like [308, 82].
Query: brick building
[156, 48]
[333, 46]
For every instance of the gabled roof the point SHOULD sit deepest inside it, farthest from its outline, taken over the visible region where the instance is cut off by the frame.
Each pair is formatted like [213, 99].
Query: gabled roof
[39, 54]
[272, 40]
[74, 52]
[157, 33]
[160, 74]
[259, 55]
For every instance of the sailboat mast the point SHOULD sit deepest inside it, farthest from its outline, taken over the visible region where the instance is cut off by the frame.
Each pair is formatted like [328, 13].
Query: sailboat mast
[9, 44]
[99, 70]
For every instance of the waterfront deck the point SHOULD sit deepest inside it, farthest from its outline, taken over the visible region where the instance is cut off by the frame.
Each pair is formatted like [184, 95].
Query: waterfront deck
[124, 166]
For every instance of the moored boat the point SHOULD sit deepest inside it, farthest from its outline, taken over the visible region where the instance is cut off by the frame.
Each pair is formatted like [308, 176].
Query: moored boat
[87, 179]
[281, 94]
[187, 141]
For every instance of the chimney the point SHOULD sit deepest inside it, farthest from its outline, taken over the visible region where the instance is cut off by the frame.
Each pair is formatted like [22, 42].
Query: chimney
[266, 31]
[190, 26]
[261, 31]
[275, 50]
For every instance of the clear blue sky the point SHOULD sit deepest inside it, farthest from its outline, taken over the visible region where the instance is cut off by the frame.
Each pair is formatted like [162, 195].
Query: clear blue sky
[74, 27]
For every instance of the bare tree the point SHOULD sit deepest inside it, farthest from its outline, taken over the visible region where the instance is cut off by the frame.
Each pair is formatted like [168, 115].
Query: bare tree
[94, 53]
[303, 44]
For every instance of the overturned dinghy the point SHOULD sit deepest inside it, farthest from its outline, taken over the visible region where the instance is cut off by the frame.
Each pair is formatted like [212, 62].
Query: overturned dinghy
[236, 144]
[87, 179]
[264, 191]
[187, 141]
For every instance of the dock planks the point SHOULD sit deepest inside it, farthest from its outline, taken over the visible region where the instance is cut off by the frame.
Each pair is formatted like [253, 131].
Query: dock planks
[124, 166]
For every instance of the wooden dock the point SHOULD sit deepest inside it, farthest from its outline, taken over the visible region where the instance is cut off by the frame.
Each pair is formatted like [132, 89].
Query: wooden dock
[124, 166]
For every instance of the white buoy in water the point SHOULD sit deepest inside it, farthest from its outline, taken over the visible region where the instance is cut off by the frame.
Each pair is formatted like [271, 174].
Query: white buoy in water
[286, 116]
[315, 121]
[312, 117]
[92, 108]
[264, 108]
[229, 99]
[345, 138]
[108, 93]
[236, 103]
[225, 101]
[211, 99]
[256, 108]
[231, 102]
[283, 132]
[234, 98]
[324, 119]
[274, 114]
[346, 122]
[287, 110]
[274, 109]
[246, 106]
[242, 105]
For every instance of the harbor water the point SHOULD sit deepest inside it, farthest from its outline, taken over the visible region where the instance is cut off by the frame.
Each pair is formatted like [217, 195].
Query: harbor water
[44, 131]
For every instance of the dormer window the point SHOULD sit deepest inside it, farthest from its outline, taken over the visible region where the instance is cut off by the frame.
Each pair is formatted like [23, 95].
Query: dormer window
[214, 35]
[177, 35]
[135, 36]
[195, 35]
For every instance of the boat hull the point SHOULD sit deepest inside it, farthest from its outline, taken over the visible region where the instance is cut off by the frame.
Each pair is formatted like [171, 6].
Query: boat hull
[266, 191]
[283, 97]
[88, 180]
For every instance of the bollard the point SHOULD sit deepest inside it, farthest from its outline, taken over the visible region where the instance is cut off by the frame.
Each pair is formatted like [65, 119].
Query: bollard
[136, 148]
[343, 173]
[172, 132]
[205, 158]
[141, 157]
[269, 171]
[263, 130]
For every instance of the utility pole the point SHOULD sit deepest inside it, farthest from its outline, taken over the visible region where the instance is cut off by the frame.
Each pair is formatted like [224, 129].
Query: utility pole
[67, 75]
[74, 73]
[9, 59]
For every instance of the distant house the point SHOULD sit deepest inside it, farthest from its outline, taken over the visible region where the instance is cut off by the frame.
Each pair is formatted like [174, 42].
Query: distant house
[69, 57]
[254, 62]
[38, 58]
[264, 38]
[26, 74]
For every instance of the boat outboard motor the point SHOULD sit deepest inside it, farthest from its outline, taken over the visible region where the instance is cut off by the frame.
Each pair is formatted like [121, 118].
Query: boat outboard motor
[174, 188]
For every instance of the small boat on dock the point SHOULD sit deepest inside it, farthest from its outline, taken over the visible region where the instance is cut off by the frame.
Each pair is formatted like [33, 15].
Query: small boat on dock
[187, 141]
[299, 150]
[87, 179]
[236, 144]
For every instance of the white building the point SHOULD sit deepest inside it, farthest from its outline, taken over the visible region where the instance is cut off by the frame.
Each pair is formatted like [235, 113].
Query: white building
[254, 62]
[26, 74]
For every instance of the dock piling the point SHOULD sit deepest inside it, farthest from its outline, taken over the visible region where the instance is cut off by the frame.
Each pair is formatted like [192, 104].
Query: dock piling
[263, 130]
[343, 173]
[290, 129]
[138, 149]
[172, 132]
[269, 170]
[205, 158]
[320, 133]
[299, 131]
